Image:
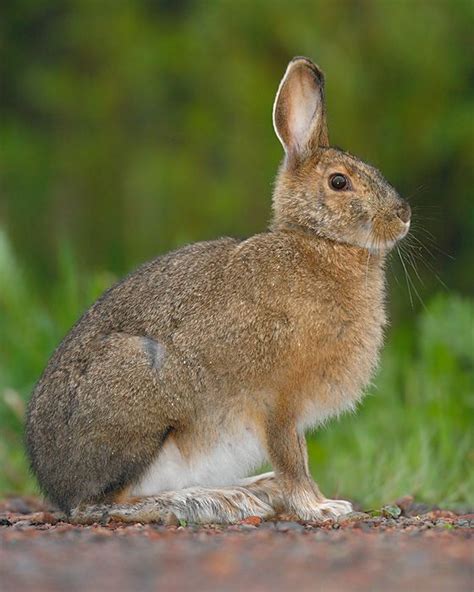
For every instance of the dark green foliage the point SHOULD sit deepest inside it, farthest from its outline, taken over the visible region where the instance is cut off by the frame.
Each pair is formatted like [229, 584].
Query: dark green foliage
[130, 131]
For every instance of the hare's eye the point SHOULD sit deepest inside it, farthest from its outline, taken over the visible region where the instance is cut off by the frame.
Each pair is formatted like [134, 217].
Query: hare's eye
[338, 181]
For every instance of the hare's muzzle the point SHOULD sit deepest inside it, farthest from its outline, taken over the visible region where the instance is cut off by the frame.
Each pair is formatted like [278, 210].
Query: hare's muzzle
[404, 211]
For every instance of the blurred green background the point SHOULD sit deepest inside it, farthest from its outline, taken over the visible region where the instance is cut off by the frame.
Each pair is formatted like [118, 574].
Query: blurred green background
[128, 128]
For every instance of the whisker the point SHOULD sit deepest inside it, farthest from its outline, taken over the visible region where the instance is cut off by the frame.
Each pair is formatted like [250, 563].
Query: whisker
[410, 282]
[406, 278]
[426, 263]
[416, 191]
[394, 274]
[417, 251]
[422, 245]
[412, 262]
[421, 207]
[430, 218]
[431, 239]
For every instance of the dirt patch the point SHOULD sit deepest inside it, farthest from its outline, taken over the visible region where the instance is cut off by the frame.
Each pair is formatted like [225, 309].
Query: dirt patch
[403, 547]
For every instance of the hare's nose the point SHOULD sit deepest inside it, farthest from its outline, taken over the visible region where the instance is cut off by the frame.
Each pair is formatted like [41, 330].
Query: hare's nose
[404, 212]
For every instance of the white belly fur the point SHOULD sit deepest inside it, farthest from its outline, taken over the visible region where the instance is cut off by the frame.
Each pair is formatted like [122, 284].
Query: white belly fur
[233, 457]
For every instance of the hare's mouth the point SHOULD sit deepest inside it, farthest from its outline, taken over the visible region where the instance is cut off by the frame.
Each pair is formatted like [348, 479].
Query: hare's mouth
[379, 237]
[385, 238]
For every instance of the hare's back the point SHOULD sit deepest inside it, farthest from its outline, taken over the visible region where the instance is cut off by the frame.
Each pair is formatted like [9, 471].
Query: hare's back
[161, 293]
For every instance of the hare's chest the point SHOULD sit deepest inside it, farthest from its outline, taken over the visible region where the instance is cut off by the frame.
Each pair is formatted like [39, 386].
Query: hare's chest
[338, 362]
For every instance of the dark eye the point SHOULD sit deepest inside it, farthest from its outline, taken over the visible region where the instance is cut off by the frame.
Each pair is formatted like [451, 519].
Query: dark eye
[338, 181]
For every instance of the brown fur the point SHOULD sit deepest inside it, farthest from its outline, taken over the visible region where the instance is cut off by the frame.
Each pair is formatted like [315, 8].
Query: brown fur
[280, 331]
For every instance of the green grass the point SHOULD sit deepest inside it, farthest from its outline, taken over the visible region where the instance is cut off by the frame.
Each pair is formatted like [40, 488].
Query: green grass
[412, 434]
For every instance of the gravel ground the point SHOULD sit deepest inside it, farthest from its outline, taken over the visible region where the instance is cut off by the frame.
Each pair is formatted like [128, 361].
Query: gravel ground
[403, 547]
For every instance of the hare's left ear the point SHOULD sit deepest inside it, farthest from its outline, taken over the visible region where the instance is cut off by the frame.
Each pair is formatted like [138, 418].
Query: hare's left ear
[299, 114]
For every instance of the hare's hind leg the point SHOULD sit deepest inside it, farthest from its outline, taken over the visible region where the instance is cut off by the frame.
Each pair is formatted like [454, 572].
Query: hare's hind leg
[198, 505]
[93, 433]
[254, 496]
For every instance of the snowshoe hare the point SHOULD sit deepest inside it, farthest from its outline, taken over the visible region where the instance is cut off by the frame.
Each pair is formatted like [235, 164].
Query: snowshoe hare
[210, 360]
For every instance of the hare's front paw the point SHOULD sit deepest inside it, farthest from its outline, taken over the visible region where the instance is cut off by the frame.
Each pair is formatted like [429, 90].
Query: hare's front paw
[333, 508]
[319, 511]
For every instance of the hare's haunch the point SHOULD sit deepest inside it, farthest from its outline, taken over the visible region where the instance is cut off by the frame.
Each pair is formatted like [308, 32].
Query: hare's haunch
[191, 372]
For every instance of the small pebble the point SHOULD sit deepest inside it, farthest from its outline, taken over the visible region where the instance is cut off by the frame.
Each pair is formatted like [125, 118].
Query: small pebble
[253, 520]
[287, 526]
[247, 527]
[23, 524]
[19, 506]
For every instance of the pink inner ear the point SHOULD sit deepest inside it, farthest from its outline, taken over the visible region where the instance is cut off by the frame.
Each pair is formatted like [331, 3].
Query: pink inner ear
[303, 107]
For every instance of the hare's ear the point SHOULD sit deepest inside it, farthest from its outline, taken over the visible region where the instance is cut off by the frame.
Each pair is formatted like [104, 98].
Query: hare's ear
[299, 114]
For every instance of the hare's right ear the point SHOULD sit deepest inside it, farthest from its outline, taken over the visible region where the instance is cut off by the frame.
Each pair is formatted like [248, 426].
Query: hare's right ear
[299, 116]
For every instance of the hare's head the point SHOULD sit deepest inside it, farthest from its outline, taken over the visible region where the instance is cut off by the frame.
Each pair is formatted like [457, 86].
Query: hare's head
[323, 189]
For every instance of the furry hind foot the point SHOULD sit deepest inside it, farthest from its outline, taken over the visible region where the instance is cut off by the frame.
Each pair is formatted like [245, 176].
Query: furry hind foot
[197, 505]
[267, 488]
